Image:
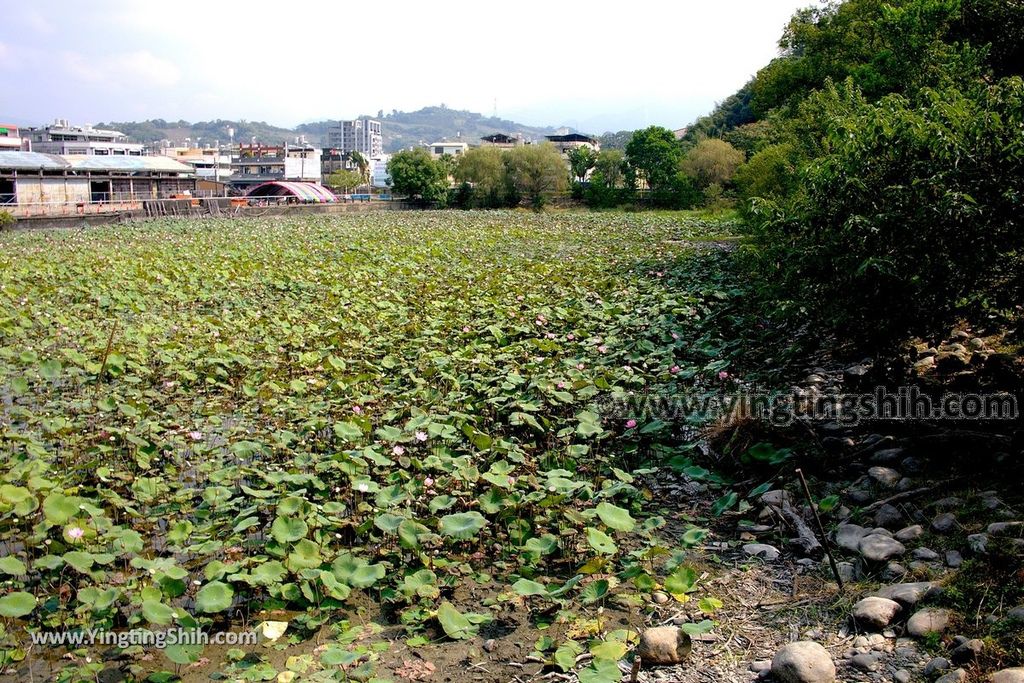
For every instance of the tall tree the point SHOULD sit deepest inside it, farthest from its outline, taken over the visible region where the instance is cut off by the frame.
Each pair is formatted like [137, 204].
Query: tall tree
[536, 171]
[581, 160]
[415, 174]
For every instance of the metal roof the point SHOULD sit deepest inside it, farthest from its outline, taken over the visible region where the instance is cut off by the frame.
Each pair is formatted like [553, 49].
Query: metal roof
[32, 161]
[307, 192]
[127, 163]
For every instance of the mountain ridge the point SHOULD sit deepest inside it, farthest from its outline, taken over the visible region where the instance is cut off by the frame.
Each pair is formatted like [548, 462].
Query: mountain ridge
[400, 129]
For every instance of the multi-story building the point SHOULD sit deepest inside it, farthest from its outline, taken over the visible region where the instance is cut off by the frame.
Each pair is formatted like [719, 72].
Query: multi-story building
[564, 143]
[210, 163]
[258, 163]
[359, 135]
[439, 149]
[502, 141]
[62, 138]
[10, 139]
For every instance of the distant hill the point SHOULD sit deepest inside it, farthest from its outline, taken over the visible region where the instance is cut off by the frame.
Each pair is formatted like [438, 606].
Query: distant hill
[401, 129]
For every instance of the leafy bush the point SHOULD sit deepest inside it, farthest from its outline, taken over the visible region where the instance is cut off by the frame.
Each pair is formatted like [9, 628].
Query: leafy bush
[909, 219]
[7, 220]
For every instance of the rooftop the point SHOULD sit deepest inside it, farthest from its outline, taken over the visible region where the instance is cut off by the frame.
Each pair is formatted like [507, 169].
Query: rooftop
[571, 137]
[32, 161]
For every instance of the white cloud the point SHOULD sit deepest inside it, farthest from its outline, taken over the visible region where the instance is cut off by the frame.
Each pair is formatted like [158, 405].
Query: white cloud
[124, 70]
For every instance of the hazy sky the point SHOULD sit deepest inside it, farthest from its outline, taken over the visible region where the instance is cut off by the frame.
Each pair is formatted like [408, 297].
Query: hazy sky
[595, 66]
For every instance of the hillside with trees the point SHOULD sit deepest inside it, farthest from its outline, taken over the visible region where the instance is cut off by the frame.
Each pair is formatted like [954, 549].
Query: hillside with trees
[401, 129]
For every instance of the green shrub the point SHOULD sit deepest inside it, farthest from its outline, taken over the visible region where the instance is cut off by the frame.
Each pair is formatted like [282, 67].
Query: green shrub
[911, 217]
[7, 220]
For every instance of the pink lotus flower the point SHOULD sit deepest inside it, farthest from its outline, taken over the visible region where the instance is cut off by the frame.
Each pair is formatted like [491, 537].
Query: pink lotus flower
[421, 436]
[428, 482]
[357, 410]
[674, 369]
[398, 450]
[570, 337]
[602, 348]
[580, 366]
[195, 436]
[675, 335]
[466, 329]
[550, 335]
[76, 533]
[630, 424]
[723, 375]
[519, 298]
[561, 385]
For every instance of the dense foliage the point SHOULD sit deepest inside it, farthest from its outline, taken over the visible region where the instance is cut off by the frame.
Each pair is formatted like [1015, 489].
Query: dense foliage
[415, 174]
[203, 420]
[884, 178]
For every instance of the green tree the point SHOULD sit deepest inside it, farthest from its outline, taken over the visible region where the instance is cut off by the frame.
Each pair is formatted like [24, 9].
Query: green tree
[414, 173]
[363, 164]
[483, 168]
[581, 160]
[536, 172]
[908, 221]
[344, 180]
[712, 162]
[609, 164]
[653, 157]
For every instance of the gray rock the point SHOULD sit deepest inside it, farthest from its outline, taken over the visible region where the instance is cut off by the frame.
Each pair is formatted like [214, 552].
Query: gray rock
[948, 503]
[887, 456]
[889, 516]
[848, 571]
[1016, 614]
[934, 666]
[766, 552]
[803, 662]
[909, 533]
[954, 676]
[776, 497]
[1004, 528]
[865, 662]
[978, 543]
[925, 554]
[912, 465]
[909, 594]
[663, 645]
[659, 598]
[901, 676]
[929, 620]
[1014, 675]
[967, 652]
[859, 496]
[855, 372]
[884, 476]
[954, 559]
[760, 665]
[848, 536]
[944, 523]
[894, 571]
[881, 531]
[879, 548]
[953, 357]
[976, 344]
[875, 613]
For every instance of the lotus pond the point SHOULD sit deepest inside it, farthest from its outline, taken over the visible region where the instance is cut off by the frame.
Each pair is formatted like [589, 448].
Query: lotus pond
[374, 440]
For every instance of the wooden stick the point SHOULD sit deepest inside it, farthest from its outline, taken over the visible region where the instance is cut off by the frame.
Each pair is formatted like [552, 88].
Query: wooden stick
[106, 353]
[821, 528]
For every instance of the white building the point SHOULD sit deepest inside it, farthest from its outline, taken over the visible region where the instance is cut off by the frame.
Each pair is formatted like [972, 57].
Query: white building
[63, 138]
[359, 135]
[379, 170]
[439, 149]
